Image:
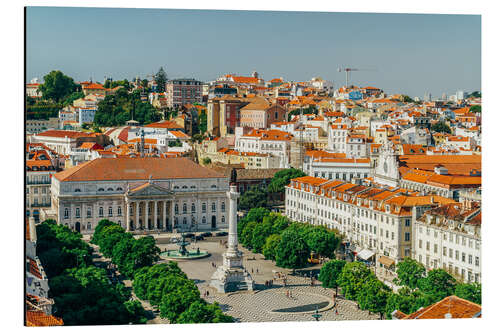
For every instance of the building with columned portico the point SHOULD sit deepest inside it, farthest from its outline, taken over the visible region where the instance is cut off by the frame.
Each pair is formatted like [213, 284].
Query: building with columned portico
[141, 194]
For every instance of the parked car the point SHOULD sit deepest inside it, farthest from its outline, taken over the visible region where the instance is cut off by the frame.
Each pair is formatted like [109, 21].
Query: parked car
[199, 237]
[207, 234]
[189, 235]
[221, 233]
[174, 240]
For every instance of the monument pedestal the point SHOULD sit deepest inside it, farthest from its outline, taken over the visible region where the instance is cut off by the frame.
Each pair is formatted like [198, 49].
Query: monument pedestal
[231, 275]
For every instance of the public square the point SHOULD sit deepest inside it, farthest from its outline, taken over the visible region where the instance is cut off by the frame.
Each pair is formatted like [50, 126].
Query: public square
[266, 303]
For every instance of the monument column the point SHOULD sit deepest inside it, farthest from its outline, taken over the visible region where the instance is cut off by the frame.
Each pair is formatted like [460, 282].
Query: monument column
[146, 215]
[127, 214]
[155, 215]
[232, 242]
[137, 203]
[164, 216]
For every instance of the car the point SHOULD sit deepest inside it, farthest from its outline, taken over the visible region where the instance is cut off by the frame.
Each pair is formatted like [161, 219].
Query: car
[188, 235]
[207, 234]
[199, 237]
[221, 233]
[174, 240]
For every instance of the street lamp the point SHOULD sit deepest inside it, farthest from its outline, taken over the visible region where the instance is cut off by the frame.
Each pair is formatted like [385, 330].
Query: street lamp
[316, 315]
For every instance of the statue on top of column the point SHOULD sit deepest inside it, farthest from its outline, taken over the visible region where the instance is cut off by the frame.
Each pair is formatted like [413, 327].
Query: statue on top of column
[233, 176]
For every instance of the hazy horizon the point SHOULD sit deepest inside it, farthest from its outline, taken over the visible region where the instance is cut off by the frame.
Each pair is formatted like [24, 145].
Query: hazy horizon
[412, 54]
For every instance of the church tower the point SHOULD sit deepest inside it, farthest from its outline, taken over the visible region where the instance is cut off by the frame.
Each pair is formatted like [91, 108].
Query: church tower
[387, 168]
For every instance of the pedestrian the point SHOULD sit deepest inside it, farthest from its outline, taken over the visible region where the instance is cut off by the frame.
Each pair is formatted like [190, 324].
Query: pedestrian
[207, 293]
[257, 270]
[252, 270]
[336, 311]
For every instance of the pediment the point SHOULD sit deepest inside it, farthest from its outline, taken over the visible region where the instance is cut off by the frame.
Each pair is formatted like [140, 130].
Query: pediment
[149, 189]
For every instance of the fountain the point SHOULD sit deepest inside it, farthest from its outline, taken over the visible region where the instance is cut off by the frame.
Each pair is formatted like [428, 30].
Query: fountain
[182, 253]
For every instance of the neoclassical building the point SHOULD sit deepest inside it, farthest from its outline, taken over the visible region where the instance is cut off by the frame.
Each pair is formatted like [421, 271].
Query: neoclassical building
[147, 193]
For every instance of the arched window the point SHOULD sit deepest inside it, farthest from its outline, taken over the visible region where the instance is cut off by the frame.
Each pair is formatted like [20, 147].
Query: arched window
[77, 212]
[223, 206]
[110, 211]
[214, 208]
[203, 220]
[119, 189]
[176, 209]
[213, 186]
[89, 226]
[184, 220]
[184, 187]
[77, 190]
[184, 208]
[66, 213]
[203, 207]
[193, 208]
[110, 189]
[176, 187]
[100, 190]
[89, 212]
[101, 211]
[223, 219]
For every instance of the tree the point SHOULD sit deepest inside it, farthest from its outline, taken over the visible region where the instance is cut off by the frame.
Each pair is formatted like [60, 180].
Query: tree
[253, 198]
[475, 94]
[409, 272]
[174, 303]
[201, 312]
[56, 86]
[145, 252]
[352, 279]
[330, 272]
[322, 241]
[271, 246]
[206, 161]
[253, 215]
[282, 179]
[203, 122]
[292, 251]
[259, 235]
[407, 99]
[469, 291]
[247, 234]
[72, 97]
[475, 109]
[438, 284]
[161, 80]
[373, 296]
[441, 127]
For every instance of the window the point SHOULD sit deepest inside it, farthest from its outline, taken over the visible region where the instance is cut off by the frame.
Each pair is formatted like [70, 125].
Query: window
[223, 219]
[204, 207]
[35, 190]
[176, 209]
[110, 211]
[213, 207]
[419, 243]
[89, 212]
[435, 248]
[407, 236]
[77, 212]
[119, 211]
[110, 189]
[444, 251]
[184, 208]
[450, 253]
[477, 261]
[203, 220]
[470, 259]
[101, 211]
[119, 189]
[407, 222]
[392, 235]
[193, 208]
[427, 246]
[76, 190]
[89, 226]
[184, 220]
[66, 213]
[100, 190]
[457, 255]
[444, 235]
[223, 207]
[463, 257]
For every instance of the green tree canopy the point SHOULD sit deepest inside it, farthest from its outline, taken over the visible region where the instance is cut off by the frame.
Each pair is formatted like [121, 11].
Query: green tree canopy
[330, 272]
[282, 179]
[253, 198]
[57, 86]
[438, 284]
[271, 246]
[203, 122]
[373, 296]
[161, 80]
[253, 215]
[201, 312]
[441, 127]
[475, 109]
[72, 97]
[352, 279]
[322, 241]
[292, 251]
[469, 291]
[409, 272]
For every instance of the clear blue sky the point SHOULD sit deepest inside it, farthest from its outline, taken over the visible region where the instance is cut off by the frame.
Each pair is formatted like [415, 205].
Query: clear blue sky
[406, 53]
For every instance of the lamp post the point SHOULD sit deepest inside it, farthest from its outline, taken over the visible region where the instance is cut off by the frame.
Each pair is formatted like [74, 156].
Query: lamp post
[316, 315]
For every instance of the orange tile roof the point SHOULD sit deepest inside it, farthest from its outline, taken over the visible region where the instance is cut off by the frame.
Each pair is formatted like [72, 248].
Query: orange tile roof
[62, 134]
[94, 86]
[245, 79]
[140, 168]
[456, 306]
[456, 164]
[164, 124]
[271, 134]
[179, 134]
[39, 318]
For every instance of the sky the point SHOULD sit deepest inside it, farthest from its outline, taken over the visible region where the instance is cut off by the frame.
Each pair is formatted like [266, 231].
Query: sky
[411, 54]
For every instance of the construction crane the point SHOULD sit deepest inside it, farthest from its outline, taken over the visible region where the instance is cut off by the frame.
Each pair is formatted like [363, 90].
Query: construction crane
[348, 71]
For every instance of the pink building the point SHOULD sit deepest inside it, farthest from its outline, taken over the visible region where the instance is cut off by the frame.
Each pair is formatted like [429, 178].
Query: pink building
[183, 91]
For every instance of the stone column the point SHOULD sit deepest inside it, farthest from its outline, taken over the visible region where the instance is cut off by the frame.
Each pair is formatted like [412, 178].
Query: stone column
[233, 222]
[172, 213]
[146, 214]
[155, 215]
[164, 216]
[137, 203]
[127, 215]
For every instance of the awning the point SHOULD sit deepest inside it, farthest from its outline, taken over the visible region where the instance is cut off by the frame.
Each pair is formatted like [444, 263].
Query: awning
[386, 261]
[365, 254]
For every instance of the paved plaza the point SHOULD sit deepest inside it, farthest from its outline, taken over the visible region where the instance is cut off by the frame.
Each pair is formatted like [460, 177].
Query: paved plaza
[260, 305]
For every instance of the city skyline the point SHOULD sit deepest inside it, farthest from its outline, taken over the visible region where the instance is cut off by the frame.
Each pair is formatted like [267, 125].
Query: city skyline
[412, 54]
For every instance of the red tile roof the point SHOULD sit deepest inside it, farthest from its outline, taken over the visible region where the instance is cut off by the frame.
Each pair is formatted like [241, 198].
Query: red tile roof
[62, 134]
[457, 307]
[39, 318]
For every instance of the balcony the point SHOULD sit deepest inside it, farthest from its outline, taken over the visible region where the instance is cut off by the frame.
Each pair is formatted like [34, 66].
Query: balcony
[38, 182]
[40, 204]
